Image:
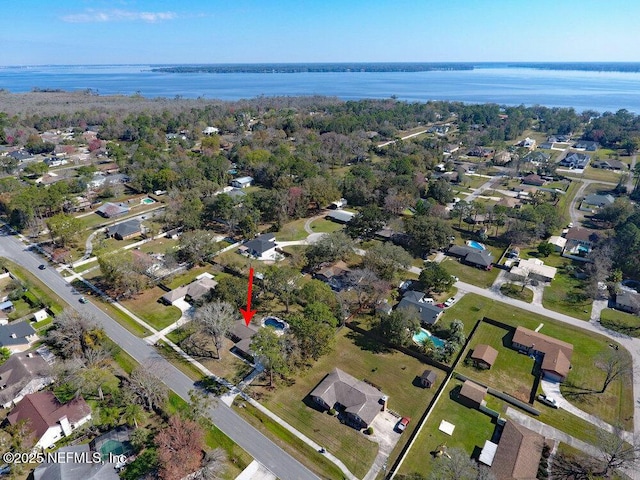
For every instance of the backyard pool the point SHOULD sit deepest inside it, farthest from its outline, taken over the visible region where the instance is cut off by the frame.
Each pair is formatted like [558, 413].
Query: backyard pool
[276, 323]
[147, 201]
[423, 334]
[476, 245]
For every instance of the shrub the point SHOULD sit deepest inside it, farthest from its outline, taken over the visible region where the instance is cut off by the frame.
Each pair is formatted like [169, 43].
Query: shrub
[369, 431]
[332, 411]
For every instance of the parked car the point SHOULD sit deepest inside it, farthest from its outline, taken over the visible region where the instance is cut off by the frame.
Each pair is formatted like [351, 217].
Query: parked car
[455, 279]
[570, 225]
[42, 266]
[441, 305]
[552, 402]
[83, 300]
[402, 424]
[450, 301]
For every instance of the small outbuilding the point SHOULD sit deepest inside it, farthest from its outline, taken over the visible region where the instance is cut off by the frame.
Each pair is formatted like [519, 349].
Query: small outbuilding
[242, 182]
[484, 356]
[471, 394]
[428, 378]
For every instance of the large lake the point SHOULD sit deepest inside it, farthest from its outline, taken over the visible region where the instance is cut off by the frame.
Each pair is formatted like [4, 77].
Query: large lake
[600, 91]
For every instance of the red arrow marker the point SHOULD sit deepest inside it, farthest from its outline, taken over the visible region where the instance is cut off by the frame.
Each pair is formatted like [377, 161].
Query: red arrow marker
[248, 313]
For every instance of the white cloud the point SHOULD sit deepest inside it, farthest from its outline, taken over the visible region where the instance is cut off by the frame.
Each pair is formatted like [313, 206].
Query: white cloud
[102, 16]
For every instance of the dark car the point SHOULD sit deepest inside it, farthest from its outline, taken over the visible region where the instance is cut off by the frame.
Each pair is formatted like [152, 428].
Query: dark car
[42, 267]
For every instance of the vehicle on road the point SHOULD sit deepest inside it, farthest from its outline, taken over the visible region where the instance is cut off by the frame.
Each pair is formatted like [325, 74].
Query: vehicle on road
[402, 424]
[450, 301]
[42, 266]
[552, 402]
[83, 300]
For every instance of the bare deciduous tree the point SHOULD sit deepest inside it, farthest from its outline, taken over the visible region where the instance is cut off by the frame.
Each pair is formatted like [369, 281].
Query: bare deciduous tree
[146, 387]
[616, 364]
[216, 320]
[180, 446]
[75, 335]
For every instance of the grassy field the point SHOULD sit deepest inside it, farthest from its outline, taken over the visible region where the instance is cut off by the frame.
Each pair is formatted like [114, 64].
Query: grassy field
[566, 295]
[564, 202]
[146, 306]
[622, 322]
[290, 443]
[598, 174]
[292, 231]
[122, 318]
[35, 286]
[616, 405]
[187, 277]
[517, 292]
[357, 355]
[325, 226]
[472, 429]
[468, 274]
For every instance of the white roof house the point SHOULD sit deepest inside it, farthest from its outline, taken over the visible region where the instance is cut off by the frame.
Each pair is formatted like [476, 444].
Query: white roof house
[558, 242]
[535, 268]
[210, 130]
[242, 182]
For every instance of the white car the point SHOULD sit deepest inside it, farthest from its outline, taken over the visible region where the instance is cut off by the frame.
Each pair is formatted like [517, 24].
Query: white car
[450, 301]
[552, 402]
[455, 279]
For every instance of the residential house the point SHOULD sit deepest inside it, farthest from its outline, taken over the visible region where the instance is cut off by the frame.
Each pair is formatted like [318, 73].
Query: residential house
[502, 158]
[546, 145]
[534, 179]
[529, 143]
[22, 374]
[194, 291]
[509, 202]
[55, 162]
[556, 354]
[472, 395]
[558, 242]
[439, 129]
[17, 336]
[6, 306]
[125, 230]
[241, 335]
[536, 157]
[336, 276]
[628, 302]
[610, 165]
[587, 145]
[237, 195]
[594, 201]
[111, 210]
[484, 356]
[517, 455]
[357, 401]
[575, 160]
[559, 138]
[533, 268]
[49, 419]
[482, 152]
[338, 204]
[263, 247]
[210, 131]
[21, 156]
[76, 204]
[428, 378]
[242, 182]
[340, 216]
[472, 256]
[450, 148]
[579, 243]
[427, 311]
[80, 470]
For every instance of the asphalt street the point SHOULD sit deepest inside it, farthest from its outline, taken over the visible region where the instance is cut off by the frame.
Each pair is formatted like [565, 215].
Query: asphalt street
[276, 460]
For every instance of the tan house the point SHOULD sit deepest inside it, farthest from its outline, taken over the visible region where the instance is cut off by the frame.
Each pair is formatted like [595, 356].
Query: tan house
[556, 361]
[472, 395]
[518, 454]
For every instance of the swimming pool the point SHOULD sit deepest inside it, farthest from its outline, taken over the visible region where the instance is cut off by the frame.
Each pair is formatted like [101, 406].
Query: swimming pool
[147, 201]
[276, 323]
[423, 334]
[476, 245]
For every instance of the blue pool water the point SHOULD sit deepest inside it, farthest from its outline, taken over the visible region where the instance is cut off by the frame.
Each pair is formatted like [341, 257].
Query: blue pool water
[583, 249]
[474, 244]
[274, 323]
[423, 334]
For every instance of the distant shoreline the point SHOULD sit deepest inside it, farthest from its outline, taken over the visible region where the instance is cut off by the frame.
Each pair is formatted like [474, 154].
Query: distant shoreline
[364, 67]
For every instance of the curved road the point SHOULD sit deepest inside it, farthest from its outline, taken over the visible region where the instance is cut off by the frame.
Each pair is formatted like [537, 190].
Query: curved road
[280, 463]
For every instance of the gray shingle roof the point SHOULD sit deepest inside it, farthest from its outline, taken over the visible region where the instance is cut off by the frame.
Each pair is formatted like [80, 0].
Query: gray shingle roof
[15, 333]
[428, 313]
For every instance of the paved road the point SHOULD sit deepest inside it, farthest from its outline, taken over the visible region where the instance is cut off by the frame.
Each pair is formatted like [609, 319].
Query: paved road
[630, 180]
[257, 445]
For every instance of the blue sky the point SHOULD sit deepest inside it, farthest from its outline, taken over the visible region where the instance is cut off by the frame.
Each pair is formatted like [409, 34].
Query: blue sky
[36, 32]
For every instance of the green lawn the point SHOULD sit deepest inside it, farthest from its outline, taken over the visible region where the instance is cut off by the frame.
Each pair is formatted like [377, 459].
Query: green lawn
[613, 406]
[472, 429]
[468, 274]
[325, 226]
[361, 357]
[566, 295]
[517, 292]
[512, 371]
[146, 306]
[187, 277]
[599, 174]
[620, 322]
[122, 318]
[36, 287]
[564, 202]
[292, 231]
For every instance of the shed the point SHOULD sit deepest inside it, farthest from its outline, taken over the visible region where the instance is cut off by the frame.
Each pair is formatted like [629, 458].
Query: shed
[40, 315]
[484, 356]
[428, 378]
[471, 394]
